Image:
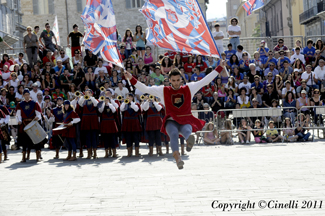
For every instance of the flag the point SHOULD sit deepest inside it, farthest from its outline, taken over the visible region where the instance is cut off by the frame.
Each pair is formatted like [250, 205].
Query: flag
[252, 5]
[179, 26]
[55, 30]
[99, 19]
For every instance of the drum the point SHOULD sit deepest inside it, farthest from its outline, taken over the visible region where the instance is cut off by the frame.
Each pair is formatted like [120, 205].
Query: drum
[35, 132]
[58, 130]
[13, 120]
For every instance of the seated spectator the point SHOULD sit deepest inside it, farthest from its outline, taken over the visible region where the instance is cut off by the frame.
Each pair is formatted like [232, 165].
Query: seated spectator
[49, 58]
[101, 80]
[212, 136]
[245, 84]
[316, 101]
[6, 61]
[200, 64]
[299, 66]
[151, 82]
[222, 94]
[157, 76]
[244, 132]
[121, 90]
[289, 131]
[78, 77]
[226, 136]
[303, 86]
[100, 68]
[40, 101]
[63, 57]
[19, 93]
[237, 75]
[197, 76]
[166, 65]
[208, 91]
[90, 60]
[90, 78]
[286, 70]
[269, 95]
[243, 99]
[211, 62]
[272, 70]
[240, 51]
[309, 52]
[259, 132]
[254, 105]
[224, 75]
[231, 85]
[303, 101]
[300, 130]
[310, 77]
[272, 134]
[278, 84]
[177, 63]
[189, 66]
[262, 50]
[287, 88]
[282, 59]
[319, 45]
[185, 77]
[230, 100]
[252, 73]
[269, 59]
[148, 58]
[170, 54]
[258, 63]
[233, 62]
[254, 95]
[206, 116]
[230, 51]
[66, 80]
[20, 59]
[296, 78]
[48, 82]
[320, 73]
[58, 93]
[296, 56]
[199, 100]
[275, 105]
[27, 83]
[77, 58]
[281, 47]
[257, 85]
[35, 91]
[244, 63]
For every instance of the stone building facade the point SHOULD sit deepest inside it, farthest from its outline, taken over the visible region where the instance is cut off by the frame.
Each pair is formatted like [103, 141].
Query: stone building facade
[39, 12]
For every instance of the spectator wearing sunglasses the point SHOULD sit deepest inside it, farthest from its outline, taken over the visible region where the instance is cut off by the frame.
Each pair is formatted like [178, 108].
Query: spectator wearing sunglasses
[280, 46]
[282, 59]
[47, 35]
[77, 59]
[270, 59]
[63, 57]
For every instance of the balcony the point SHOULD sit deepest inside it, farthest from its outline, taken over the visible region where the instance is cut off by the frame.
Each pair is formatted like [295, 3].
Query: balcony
[308, 16]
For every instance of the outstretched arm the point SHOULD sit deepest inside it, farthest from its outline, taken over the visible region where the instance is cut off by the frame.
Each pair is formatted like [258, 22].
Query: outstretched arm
[196, 86]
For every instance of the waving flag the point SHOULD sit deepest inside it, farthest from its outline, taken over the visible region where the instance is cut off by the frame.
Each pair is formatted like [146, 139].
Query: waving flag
[252, 5]
[179, 26]
[99, 19]
[55, 30]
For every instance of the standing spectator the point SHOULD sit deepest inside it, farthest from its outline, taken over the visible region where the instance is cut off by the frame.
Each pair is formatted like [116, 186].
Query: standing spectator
[90, 59]
[66, 80]
[20, 59]
[218, 36]
[157, 76]
[309, 52]
[127, 39]
[36, 30]
[297, 55]
[316, 101]
[280, 46]
[31, 46]
[75, 36]
[262, 50]
[140, 39]
[320, 73]
[234, 32]
[35, 91]
[47, 36]
[310, 77]
[121, 90]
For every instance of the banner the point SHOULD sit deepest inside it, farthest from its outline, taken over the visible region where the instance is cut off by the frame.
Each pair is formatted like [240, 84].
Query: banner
[179, 26]
[252, 5]
[55, 30]
[99, 19]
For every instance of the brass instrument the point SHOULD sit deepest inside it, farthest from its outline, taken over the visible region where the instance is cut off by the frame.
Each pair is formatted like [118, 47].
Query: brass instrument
[86, 97]
[126, 101]
[102, 98]
[102, 88]
[151, 97]
[119, 98]
[142, 97]
[77, 94]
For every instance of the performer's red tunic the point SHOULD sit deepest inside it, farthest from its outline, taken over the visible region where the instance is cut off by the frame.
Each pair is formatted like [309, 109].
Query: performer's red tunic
[2, 116]
[108, 121]
[28, 113]
[69, 132]
[131, 121]
[153, 118]
[89, 119]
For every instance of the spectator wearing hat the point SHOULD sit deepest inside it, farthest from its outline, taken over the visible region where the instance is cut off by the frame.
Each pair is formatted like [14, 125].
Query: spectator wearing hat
[297, 55]
[234, 32]
[157, 76]
[35, 90]
[303, 101]
[262, 50]
[218, 36]
[121, 90]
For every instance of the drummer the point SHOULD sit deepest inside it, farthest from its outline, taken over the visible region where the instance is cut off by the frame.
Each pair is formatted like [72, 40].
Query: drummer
[70, 119]
[27, 111]
[58, 115]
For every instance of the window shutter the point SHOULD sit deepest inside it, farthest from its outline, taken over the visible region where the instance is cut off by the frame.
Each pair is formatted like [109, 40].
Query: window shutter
[35, 7]
[51, 6]
[128, 3]
[79, 6]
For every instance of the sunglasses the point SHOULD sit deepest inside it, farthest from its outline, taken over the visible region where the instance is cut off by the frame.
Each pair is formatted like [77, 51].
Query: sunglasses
[272, 65]
[257, 80]
[316, 92]
[269, 76]
[62, 53]
[270, 88]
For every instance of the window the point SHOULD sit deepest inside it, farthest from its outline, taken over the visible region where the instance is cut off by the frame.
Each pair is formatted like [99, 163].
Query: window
[81, 4]
[134, 3]
[43, 6]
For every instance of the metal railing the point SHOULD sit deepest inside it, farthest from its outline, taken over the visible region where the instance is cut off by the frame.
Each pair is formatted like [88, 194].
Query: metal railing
[303, 17]
[213, 119]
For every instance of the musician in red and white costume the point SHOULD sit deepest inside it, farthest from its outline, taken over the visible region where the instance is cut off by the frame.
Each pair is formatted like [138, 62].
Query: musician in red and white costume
[177, 100]
[26, 112]
[70, 119]
[151, 116]
[89, 122]
[2, 144]
[108, 126]
[131, 127]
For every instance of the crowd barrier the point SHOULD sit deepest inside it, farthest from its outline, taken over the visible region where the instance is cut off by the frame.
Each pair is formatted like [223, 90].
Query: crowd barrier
[213, 119]
[315, 112]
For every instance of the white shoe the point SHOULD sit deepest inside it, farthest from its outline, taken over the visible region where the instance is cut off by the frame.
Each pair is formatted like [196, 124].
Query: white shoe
[247, 141]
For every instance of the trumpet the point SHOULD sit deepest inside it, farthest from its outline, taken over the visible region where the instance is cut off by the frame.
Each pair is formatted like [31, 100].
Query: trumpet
[119, 98]
[102, 98]
[126, 101]
[77, 94]
[102, 88]
[142, 97]
[86, 97]
[151, 97]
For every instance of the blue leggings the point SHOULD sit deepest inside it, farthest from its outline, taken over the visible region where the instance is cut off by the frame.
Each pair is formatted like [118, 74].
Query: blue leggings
[154, 137]
[71, 144]
[91, 139]
[174, 129]
[132, 137]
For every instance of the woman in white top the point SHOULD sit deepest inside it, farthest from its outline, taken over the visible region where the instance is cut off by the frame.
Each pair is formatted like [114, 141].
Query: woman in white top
[19, 93]
[14, 81]
[234, 32]
[77, 58]
[218, 36]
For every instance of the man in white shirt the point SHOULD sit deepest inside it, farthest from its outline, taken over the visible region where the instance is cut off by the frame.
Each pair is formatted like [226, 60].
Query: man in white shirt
[121, 90]
[234, 32]
[63, 57]
[245, 84]
[310, 77]
[240, 51]
[320, 73]
[34, 92]
[100, 67]
[218, 36]
[297, 55]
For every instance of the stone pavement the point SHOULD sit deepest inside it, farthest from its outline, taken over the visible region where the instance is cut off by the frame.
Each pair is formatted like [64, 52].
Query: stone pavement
[154, 185]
